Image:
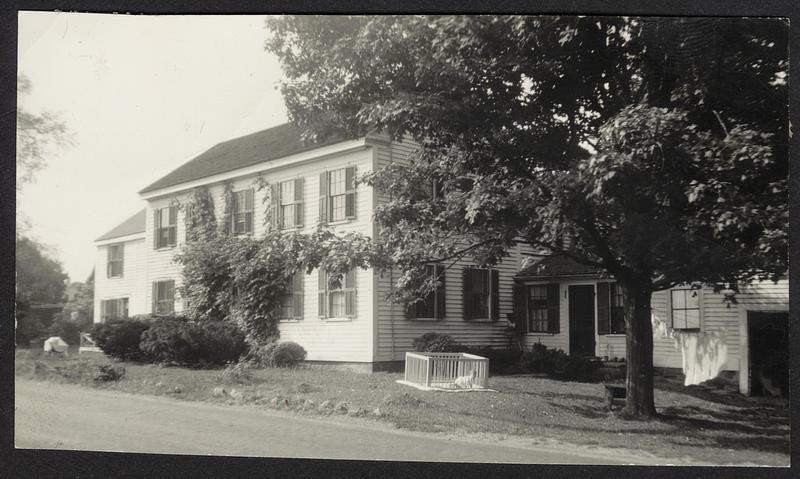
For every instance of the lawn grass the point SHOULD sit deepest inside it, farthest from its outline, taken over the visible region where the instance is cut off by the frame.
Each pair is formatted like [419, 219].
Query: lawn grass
[694, 425]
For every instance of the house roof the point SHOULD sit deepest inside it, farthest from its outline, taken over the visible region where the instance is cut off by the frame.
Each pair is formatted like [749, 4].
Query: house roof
[134, 224]
[270, 144]
[557, 265]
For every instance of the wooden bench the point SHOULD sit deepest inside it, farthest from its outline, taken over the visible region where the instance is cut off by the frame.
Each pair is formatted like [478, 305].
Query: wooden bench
[614, 391]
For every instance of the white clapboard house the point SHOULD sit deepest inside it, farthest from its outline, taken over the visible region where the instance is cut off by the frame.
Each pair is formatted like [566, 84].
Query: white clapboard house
[558, 303]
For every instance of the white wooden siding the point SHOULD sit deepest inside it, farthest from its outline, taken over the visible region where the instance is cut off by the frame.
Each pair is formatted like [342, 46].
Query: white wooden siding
[130, 285]
[324, 340]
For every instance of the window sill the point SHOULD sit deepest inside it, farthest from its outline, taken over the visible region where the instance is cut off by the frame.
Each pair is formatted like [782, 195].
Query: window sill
[687, 330]
[548, 333]
[611, 334]
[336, 320]
[289, 320]
[165, 248]
[115, 277]
[425, 319]
[291, 229]
[481, 320]
[339, 222]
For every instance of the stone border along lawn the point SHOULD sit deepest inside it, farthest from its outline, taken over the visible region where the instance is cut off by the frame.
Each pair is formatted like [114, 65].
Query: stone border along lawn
[695, 425]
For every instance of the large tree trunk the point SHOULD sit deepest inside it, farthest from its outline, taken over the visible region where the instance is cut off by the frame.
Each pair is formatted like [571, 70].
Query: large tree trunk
[639, 352]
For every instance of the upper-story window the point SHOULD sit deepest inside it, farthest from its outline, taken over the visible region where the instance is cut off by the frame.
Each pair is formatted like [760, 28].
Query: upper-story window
[287, 203]
[481, 294]
[242, 212]
[116, 253]
[685, 308]
[166, 224]
[337, 195]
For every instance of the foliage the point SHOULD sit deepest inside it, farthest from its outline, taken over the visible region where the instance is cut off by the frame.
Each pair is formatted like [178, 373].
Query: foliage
[39, 280]
[38, 136]
[173, 339]
[287, 355]
[108, 372]
[436, 343]
[81, 304]
[201, 222]
[120, 338]
[652, 148]
[557, 364]
[501, 360]
[240, 372]
[66, 329]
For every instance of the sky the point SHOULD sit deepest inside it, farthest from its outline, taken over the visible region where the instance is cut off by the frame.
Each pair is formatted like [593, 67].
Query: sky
[140, 95]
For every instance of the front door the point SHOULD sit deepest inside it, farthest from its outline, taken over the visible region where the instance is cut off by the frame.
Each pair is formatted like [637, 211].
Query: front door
[581, 320]
[769, 353]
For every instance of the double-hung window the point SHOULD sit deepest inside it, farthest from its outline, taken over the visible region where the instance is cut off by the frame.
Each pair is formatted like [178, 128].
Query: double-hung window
[543, 308]
[166, 224]
[481, 299]
[337, 295]
[242, 212]
[287, 203]
[685, 309]
[610, 308]
[292, 301]
[164, 297]
[114, 308]
[116, 256]
[337, 195]
[432, 306]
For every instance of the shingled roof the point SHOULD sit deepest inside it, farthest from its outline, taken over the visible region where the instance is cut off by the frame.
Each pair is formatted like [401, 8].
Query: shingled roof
[134, 224]
[557, 265]
[270, 144]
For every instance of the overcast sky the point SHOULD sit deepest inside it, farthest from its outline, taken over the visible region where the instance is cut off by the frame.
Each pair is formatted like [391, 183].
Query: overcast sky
[141, 95]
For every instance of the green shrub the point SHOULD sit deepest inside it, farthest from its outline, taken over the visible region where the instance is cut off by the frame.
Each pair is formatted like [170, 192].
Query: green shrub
[557, 364]
[238, 373]
[261, 356]
[288, 355]
[108, 372]
[436, 343]
[119, 338]
[174, 339]
[501, 360]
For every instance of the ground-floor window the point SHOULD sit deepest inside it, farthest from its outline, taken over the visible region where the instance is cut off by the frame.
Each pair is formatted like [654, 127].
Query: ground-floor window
[685, 309]
[481, 293]
[432, 306]
[337, 295]
[543, 308]
[164, 297]
[610, 309]
[114, 308]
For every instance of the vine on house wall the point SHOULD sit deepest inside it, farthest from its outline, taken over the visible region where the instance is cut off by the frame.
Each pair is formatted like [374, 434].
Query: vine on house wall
[227, 211]
[262, 185]
[201, 220]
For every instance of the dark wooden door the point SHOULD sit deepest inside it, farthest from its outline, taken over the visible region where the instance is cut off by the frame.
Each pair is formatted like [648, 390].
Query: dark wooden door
[581, 320]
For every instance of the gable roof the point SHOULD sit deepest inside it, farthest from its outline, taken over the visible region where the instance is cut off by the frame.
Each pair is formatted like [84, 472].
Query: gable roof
[557, 265]
[134, 224]
[270, 144]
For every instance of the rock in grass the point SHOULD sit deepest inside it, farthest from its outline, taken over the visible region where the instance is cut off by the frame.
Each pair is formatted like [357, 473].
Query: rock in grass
[376, 412]
[236, 394]
[359, 411]
[326, 404]
[275, 401]
[177, 390]
[341, 407]
[219, 392]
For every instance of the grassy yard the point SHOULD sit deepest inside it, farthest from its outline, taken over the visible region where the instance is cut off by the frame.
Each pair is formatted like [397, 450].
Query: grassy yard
[695, 424]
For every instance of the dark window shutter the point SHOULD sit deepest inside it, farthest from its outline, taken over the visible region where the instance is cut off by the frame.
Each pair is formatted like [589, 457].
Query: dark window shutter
[103, 310]
[323, 197]
[495, 295]
[323, 287]
[109, 258]
[350, 191]
[122, 259]
[410, 310]
[441, 290]
[603, 294]
[155, 297]
[466, 293]
[173, 216]
[298, 202]
[156, 224]
[171, 296]
[249, 207]
[553, 308]
[274, 205]
[520, 310]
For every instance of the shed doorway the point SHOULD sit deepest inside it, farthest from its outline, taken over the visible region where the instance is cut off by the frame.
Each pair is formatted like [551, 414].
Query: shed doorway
[768, 352]
[581, 320]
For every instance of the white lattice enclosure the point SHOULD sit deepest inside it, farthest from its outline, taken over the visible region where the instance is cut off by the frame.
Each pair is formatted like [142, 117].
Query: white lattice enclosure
[447, 370]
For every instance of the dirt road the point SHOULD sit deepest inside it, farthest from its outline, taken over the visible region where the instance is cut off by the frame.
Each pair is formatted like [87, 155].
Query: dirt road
[55, 416]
